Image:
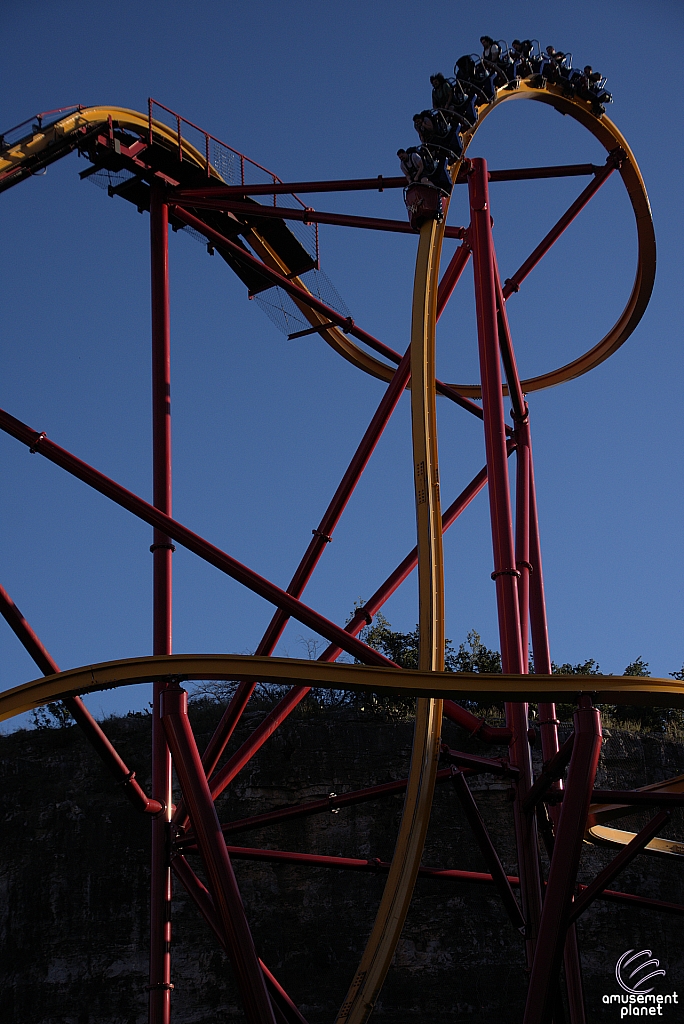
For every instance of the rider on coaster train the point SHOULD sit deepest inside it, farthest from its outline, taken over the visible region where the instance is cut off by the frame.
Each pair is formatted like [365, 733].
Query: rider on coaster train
[454, 110]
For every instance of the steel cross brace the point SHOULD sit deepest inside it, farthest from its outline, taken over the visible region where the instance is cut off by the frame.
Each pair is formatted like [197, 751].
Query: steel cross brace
[619, 863]
[285, 1010]
[375, 865]
[323, 534]
[330, 804]
[371, 184]
[491, 857]
[46, 663]
[556, 911]
[212, 848]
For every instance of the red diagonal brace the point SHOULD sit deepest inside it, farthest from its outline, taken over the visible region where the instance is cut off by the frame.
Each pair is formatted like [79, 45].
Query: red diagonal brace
[212, 848]
[491, 857]
[284, 1008]
[325, 806]
[451, 276]
[476, 764]
[38, 442]
[619, 863]
[438, 874]
[564, 864]
[513, 283]
[124, 776]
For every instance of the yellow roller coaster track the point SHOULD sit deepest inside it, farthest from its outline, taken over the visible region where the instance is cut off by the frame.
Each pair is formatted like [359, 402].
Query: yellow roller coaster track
[646, 691]
[611, 139]
[408, 852]
[18, 156]
[78, 124]
[431, 686]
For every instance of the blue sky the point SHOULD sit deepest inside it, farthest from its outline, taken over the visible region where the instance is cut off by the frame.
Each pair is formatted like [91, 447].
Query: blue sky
[264, 428]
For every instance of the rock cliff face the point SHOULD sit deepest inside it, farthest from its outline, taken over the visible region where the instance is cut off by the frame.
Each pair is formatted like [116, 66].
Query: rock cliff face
[74, 877]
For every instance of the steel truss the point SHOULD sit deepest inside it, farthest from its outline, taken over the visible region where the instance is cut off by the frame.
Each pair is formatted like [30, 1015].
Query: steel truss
[549, 809]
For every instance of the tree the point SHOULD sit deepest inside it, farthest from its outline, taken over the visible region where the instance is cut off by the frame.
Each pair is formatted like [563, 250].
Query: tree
[403, 648]
[52, 716]
[582, 668]
[474, 656]
[653, 719]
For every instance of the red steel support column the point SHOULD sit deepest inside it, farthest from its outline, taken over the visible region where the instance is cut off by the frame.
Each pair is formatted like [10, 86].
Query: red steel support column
[212, 848]
[564, 863]
[522, 531]
[527, 536]
[505, 573]
[162, 549]
[548, 727]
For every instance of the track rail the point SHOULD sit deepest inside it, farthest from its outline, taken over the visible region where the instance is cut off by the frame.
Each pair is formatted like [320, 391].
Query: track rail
[613, 142]
[61, 137]
[645, 691]
[389, 921]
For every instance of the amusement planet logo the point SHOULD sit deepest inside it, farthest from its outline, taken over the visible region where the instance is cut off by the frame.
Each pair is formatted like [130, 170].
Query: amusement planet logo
[632, 972]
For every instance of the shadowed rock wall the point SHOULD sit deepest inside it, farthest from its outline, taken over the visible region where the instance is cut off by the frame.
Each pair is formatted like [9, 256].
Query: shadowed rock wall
[74, 883]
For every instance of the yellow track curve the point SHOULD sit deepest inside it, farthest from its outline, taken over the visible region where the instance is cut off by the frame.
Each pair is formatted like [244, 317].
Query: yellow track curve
[88, 118]
[619, 837]
[646, 691]
[408, 852]
[611, 139]
[630, 690]
[92, 117]
[601, 128]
